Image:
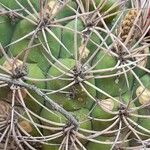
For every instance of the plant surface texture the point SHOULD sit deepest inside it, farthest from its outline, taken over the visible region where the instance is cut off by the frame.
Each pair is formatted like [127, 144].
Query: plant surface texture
[74, 74]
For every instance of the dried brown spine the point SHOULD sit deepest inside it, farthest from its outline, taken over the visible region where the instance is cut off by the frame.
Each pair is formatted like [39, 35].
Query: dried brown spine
[128, 23]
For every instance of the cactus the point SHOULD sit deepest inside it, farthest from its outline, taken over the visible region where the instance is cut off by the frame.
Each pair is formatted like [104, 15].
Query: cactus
[74, 74]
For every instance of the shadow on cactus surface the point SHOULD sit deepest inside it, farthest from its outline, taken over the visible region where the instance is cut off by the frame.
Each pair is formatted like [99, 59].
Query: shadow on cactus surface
[74, 74]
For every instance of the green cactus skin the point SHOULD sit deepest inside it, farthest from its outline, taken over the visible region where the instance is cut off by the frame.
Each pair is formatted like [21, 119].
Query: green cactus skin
[148, 61]
[32, 105]
[109, 84]
[100, 113]
[97, 146]
[105, 7]
[12, 4]
[146, 80]
[144, 122]
[66, 12]
[49, 147]
[127, 99]
[4, 90]
[65, 102]
[106, 61]
[139, 72]
[6, 30]
[68, 38]
[35, 53]
[56, 84]
[92, 44]
[55, 117]
[84, 123]
[35, 72]
[80, 115]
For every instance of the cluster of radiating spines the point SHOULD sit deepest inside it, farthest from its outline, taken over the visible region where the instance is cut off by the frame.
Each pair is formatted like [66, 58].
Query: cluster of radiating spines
[131, 50]
[75, 77]
[12, 127]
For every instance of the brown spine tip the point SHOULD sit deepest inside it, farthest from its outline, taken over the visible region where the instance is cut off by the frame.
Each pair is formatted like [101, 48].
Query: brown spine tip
[127, 24]
[26, 126]
[143, 95]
